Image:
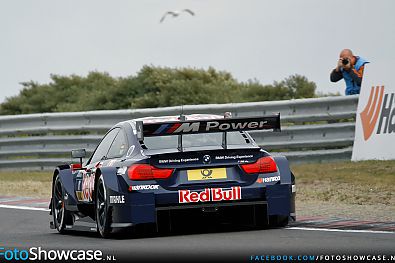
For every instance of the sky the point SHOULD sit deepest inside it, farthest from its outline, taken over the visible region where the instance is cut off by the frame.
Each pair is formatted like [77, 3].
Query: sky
[264, 40]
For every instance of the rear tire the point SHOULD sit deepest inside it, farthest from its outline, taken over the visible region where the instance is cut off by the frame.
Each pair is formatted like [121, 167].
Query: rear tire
[102, 210]
[293, 197]
[278, 221]
[61, 217]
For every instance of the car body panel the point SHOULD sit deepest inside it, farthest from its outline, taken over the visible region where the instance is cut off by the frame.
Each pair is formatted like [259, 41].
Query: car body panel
[222, 183]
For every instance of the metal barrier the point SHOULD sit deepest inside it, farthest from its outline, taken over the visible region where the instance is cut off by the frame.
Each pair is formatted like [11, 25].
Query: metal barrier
[317, 129]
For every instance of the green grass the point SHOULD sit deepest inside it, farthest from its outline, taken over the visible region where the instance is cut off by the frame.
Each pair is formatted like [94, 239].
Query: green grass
[23, 176]
[35, 184]
[367, 182]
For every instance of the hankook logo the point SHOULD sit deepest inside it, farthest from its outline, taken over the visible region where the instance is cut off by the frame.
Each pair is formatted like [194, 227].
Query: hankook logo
[371, 112]
[377, 109]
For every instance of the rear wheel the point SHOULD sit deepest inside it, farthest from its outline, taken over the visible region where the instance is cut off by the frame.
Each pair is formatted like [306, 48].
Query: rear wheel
[278, 221]
[103, 213]
[293, 196]
[281, 220]
[61, 217]
[292, 178]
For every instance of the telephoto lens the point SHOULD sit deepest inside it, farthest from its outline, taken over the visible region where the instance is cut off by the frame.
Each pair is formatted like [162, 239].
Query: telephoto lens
[345, 61]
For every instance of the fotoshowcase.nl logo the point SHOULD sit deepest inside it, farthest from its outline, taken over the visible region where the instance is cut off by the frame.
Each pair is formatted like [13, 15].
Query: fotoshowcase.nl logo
[40, 254]
[378, 109]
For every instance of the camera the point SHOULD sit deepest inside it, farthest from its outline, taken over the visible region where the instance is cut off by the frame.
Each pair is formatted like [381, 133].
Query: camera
[345, 61]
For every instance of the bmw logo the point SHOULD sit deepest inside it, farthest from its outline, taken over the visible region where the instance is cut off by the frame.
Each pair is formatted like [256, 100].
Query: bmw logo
[206, 159]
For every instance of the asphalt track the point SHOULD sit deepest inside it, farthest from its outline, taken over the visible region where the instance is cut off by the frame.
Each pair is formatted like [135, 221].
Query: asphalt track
[30, 228]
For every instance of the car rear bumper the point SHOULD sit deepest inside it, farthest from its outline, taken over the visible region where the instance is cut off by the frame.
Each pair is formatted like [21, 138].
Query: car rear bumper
[144, 207]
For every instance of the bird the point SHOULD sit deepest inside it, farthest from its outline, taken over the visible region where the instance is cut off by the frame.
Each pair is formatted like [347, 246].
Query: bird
[176, 13]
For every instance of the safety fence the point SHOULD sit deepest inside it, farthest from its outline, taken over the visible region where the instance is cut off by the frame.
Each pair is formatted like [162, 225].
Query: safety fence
[313, 130]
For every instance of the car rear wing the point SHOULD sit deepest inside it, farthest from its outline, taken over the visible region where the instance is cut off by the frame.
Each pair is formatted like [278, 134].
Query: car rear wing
[224, 125]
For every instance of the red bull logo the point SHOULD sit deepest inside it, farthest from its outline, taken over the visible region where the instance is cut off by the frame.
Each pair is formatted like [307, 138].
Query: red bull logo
[209, 194]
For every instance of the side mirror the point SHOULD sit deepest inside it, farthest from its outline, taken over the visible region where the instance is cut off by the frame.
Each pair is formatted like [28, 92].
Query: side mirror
[80, 153]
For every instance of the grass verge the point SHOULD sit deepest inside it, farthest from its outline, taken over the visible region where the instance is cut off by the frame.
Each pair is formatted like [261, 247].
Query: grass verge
[361, 183]
[34, 184]
[358, 190]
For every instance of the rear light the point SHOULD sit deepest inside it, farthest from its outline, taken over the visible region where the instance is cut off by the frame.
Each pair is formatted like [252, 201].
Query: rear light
[262, 165]
[148, 172]
[75, 166]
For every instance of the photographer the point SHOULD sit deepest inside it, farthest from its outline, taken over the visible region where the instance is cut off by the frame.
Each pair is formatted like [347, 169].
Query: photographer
[350, 68]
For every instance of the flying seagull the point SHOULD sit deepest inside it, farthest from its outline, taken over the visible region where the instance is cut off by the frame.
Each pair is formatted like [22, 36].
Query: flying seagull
[176, 13]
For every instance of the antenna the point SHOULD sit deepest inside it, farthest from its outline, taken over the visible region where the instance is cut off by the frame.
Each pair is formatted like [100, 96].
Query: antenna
[181, 118]
[227, 115]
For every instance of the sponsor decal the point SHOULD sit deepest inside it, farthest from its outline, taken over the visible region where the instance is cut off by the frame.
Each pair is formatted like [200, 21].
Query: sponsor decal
[268, 179]
[375, 122]
[79, 195]
[371, 111]
[387, 115]
[122, 170]
[117, 199]
[206, 159]
[182, 160]
[244, 161]
[233, 157]
[380, 107]
[190, 127]
[143, 187]
[130, 151]
[206, 174]
[88, 184]
[208, 126]
[209, 194]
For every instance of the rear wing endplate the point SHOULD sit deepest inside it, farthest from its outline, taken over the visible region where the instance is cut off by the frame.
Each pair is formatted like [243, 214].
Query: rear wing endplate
[271, 122]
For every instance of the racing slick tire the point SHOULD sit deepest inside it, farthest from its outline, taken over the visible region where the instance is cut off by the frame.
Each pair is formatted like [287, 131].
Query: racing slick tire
[61, 217]
[278, 221]
[102, 210]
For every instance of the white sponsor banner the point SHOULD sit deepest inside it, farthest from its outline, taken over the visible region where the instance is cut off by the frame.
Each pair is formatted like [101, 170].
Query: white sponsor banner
[375, 120]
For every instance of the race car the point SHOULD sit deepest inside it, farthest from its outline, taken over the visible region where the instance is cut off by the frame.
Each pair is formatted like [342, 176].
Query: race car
[151, 170]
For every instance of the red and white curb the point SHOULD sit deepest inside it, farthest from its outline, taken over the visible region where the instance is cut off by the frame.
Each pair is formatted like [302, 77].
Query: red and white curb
[345, 225]
[24, 203]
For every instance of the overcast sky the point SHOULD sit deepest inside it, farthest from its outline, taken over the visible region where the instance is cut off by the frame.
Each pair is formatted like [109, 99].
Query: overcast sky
[263, 40]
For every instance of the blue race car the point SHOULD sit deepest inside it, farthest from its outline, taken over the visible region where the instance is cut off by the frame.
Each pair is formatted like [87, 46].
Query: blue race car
[152, 170]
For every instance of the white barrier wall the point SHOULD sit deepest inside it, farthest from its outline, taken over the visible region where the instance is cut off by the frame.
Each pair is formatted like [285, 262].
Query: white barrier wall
[375, 120]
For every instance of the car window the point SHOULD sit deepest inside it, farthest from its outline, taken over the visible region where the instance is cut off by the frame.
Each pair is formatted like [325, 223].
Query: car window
[194, 140]
[119, 146]
[104, 146]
